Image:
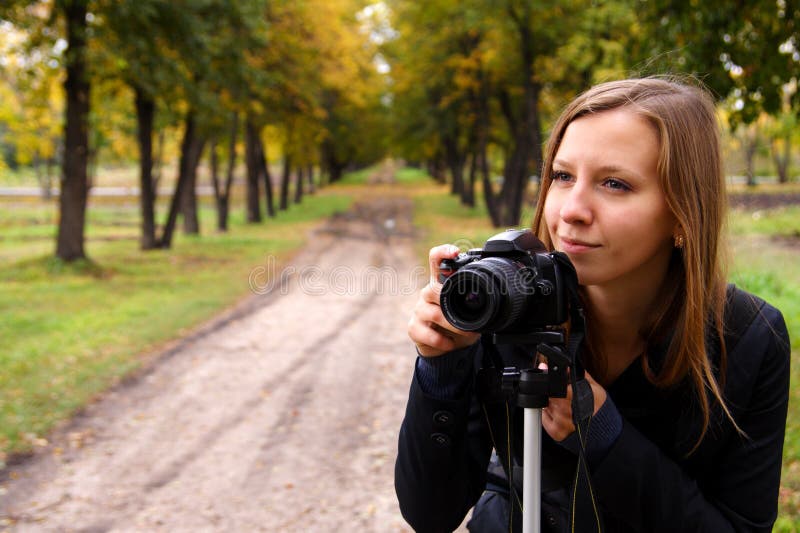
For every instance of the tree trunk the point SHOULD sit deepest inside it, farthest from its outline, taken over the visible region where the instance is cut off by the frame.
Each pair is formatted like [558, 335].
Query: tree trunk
[74, 184]
[285, 178]
[435, 167]
[333, 166]
[223, 194]
[145, 113]
[492, 201]
[479, 138]
[782, 160]
[468, 194]
[158, 162]
[455, 162]
[263, 169]
[252, 195]
[191, 223]
[49, 163]
[180, 186]
[310, 176]
[750, 154]
[335, 172]
[215, 185]
[298, 189]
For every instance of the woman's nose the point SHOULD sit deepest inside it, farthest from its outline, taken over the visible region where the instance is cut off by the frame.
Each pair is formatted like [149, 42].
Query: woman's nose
[576, 207]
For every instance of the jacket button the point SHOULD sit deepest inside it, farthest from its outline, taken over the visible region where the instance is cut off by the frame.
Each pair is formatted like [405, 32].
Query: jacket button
[443, 419]
[441, 440]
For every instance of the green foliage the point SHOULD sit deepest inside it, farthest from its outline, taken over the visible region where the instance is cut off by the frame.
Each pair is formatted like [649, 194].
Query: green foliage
[747, 50]
[474, 82]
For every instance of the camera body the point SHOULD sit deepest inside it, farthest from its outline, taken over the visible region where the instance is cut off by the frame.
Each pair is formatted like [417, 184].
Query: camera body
[512, 285]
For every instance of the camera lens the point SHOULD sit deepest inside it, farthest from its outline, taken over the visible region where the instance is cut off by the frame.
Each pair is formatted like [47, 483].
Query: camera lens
[484, 296]
[468, 299]
[471, 303]
[474, 302]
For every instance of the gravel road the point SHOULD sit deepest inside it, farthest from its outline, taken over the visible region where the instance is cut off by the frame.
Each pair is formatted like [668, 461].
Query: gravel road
[280, 415]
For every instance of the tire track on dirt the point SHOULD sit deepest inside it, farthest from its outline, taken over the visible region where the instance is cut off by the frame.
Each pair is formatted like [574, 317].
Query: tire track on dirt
[298, 398]
[183, 465]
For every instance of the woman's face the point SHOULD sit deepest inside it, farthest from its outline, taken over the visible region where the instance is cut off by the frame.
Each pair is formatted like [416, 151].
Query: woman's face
[605, 207]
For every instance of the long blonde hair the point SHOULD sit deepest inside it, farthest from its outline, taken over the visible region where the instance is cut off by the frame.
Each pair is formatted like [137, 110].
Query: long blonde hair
[692, 298]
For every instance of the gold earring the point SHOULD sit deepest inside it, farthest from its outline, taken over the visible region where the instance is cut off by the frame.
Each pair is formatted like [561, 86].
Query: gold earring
[679, 241]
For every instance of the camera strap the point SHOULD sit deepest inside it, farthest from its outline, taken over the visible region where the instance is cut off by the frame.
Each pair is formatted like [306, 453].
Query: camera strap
[582, 396]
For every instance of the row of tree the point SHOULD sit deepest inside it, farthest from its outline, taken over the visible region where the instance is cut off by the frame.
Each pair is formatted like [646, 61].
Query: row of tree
[466, 86]
[226, 70]
[476, 82]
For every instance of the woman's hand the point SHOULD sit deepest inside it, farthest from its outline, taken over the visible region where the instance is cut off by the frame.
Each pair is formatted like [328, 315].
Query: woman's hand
[557, 416]
[428, 327]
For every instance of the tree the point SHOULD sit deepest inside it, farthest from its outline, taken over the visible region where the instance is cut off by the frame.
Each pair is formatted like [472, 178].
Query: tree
[782, 131]
[474, 79]
[188, 59]
[744, 50]
[45, 24]
[74, 186]
[222, 191]
[31, 105]
[348, 106]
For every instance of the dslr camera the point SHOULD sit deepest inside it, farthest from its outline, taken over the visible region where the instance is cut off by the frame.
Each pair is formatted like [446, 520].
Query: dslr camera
[512, 285]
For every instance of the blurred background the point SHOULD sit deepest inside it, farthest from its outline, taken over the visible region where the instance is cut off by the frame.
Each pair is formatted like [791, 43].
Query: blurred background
[151, 148]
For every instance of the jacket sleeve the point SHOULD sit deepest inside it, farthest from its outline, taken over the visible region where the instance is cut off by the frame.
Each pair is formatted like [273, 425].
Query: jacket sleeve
[650, 492]
[443, 452]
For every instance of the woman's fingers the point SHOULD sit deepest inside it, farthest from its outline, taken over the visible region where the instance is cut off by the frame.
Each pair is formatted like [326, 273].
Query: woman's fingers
[428, 327]
[429, 341]
[557, 416]
[435, 257]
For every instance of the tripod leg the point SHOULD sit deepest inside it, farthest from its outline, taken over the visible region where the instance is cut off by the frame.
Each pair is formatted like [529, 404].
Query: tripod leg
[532, 471]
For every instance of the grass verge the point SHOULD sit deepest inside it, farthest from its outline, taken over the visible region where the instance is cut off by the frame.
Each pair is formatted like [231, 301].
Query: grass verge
[71, 330]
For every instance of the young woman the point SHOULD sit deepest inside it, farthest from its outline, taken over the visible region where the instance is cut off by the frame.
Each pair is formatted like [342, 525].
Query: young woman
[689, 376]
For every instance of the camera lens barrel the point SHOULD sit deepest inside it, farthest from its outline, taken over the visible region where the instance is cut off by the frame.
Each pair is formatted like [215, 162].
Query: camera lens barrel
[487, 295]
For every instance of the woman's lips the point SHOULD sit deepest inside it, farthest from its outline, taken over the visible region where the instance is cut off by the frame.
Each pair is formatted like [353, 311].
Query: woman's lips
[576, 246]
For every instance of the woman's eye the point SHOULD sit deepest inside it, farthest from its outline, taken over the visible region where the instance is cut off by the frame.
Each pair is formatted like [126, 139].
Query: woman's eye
[559, 175]
[615, 184]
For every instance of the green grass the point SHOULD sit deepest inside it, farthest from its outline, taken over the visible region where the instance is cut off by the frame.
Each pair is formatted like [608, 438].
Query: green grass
[412, 176]
[777, 221]
[443, 219]
[358, 177]
[21, 177]
[406, 176]
[71, 330]
[767, 266]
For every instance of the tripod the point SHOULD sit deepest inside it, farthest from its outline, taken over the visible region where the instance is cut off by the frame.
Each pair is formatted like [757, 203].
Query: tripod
[532, 388]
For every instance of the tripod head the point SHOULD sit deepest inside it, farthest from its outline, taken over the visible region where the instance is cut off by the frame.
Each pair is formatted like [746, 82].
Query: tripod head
[531, 387]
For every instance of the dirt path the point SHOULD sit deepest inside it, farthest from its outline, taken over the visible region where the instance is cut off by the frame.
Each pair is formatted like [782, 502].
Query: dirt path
[282, 417]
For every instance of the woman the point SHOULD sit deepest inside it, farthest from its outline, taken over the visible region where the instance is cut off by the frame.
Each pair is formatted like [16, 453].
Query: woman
[689, 377]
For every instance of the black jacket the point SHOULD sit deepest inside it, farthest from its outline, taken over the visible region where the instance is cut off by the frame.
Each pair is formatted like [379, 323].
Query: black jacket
[646, 482]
